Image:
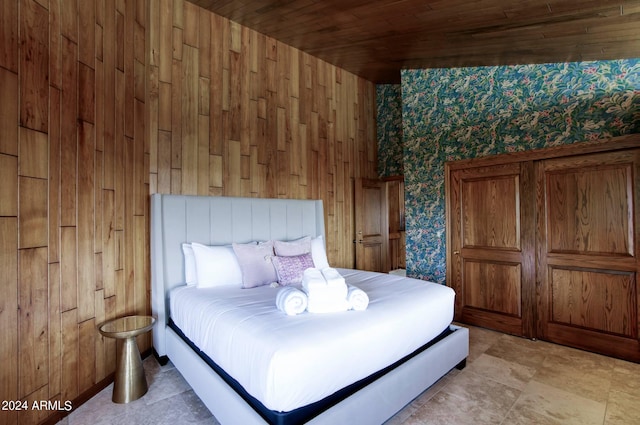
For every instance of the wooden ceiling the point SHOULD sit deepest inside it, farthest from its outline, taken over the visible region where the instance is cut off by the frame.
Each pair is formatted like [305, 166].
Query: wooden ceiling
[376, 39]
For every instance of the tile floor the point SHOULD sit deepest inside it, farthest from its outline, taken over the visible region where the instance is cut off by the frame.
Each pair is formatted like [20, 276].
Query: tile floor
[508, 380]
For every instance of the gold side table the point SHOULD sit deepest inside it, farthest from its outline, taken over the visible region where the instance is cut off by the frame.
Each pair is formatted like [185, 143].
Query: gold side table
[130, 383]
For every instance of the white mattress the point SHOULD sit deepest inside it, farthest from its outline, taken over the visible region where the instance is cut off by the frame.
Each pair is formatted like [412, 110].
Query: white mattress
[290, 361]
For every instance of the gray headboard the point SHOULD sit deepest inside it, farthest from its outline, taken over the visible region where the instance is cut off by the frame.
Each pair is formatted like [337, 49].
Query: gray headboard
[216, 220]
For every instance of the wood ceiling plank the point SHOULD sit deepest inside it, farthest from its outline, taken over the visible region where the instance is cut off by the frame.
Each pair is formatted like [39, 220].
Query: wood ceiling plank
[375, 39]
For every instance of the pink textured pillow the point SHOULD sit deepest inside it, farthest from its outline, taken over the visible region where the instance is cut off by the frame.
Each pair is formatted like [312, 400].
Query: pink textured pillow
[291, 269]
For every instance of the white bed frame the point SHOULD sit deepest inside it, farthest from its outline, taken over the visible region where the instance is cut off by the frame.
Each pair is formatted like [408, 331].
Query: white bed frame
[222, 220]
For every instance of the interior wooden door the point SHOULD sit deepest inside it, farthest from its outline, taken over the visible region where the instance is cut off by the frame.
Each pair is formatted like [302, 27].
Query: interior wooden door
[491, 252]
[587, 230]
[397, 254]
[372, 225]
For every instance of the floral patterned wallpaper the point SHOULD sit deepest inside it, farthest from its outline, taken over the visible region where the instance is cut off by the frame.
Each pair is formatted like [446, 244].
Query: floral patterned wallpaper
[389, 121]
[451, 114]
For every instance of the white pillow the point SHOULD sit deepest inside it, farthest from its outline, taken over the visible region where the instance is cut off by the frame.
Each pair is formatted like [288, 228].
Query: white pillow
[216, 265]
[190, 272]
[318, 253]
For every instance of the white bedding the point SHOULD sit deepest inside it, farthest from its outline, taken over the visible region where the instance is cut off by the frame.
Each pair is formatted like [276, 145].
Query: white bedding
[290, 361]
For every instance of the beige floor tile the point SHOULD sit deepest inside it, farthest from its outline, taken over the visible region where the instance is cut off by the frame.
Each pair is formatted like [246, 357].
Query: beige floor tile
[626, 377]
[512, 374]
[520, 350]
[169, 401]
[584, 374]
[480, 340]
[468, 399]
[445, 409]
[100, 409]
[581, 360]
[165, 385]
[422, 399]
[487, 395]
[623, 408]
[543, 404]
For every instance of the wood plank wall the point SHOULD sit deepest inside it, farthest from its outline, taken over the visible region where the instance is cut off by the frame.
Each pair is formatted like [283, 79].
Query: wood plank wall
[73, 193]
[105, 101]
[234, 112]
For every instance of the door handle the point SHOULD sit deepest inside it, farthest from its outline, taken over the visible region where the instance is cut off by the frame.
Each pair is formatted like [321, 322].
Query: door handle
[456, 252]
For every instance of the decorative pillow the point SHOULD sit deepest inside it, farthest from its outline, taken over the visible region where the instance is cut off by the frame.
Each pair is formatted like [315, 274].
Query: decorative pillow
[255, 263]
[293, 248]
[190, 271]
[318, 253]
[216, 265]
[291, 269]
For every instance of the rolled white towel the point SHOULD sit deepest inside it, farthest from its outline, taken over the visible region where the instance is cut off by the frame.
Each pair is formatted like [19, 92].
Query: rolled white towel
[357, 298]
[291, 300]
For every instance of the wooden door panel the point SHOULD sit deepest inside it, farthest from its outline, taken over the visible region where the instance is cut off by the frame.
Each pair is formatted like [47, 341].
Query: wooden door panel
[587, 255]
[490, 213]
[494, 287]
[598, 342]
[372, 256]
[594, 300]
[395, 197]
[589, 211]
[372, 226]
[489, 256]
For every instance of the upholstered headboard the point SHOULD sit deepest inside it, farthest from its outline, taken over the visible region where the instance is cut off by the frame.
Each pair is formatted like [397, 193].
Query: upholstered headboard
[212, 220]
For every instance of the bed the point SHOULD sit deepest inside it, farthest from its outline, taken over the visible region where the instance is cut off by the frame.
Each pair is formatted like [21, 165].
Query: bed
[375, 387]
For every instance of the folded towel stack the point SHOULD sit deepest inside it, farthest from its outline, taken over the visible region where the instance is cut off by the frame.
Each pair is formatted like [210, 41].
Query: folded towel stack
[323, 291]
[333, 277]
[325, 283]
[313, 281]
[326, 290]
[291, 300]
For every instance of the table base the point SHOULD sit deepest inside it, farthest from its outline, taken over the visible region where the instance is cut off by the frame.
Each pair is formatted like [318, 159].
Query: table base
[130, 382]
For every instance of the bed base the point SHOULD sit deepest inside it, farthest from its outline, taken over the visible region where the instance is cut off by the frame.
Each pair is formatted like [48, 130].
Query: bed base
[373, 404]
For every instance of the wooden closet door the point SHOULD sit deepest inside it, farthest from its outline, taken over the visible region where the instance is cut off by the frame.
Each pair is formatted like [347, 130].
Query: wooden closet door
[491, 252]
[587, 231]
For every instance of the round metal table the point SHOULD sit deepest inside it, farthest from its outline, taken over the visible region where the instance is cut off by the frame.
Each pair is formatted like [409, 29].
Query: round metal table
[130, 383]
